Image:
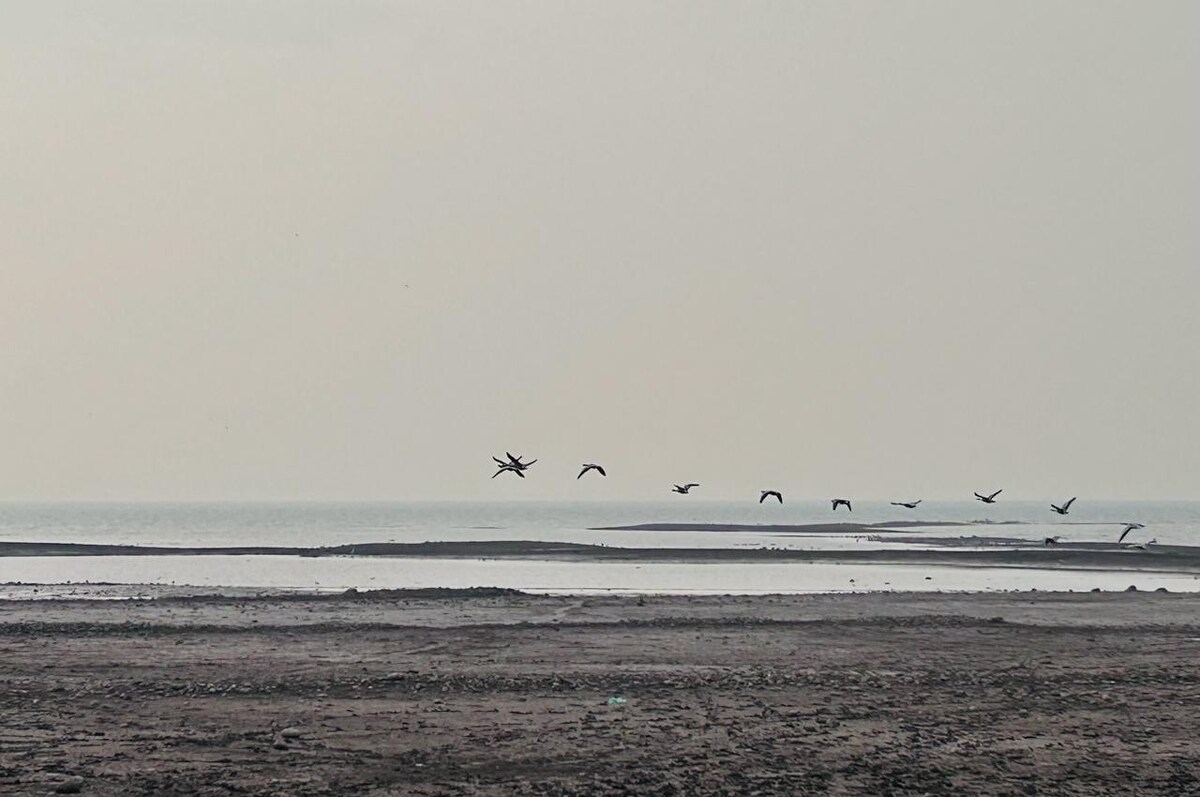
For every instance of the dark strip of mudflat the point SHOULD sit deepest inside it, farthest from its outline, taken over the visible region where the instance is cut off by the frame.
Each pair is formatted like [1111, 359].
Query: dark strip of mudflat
[804, 528]
[1100, 556]
[91, 549]
[472, 549]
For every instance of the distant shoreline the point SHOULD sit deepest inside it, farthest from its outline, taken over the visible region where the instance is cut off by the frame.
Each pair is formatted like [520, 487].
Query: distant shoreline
[804, 528]
[1073, 556]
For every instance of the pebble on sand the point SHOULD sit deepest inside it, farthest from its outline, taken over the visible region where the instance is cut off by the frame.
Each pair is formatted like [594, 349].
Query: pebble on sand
[72, 785]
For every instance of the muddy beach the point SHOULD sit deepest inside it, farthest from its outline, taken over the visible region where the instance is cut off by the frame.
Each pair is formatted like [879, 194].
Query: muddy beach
[449, 693]
[954, 551]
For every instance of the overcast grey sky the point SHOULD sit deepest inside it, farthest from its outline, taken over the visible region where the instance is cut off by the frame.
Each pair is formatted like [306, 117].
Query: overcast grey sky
[336, 250]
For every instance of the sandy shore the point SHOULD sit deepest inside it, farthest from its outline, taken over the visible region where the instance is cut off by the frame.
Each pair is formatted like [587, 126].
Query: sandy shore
[447, 693]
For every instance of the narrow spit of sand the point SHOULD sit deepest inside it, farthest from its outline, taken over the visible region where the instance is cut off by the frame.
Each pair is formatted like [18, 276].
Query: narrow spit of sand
[983, 551]
[500, 693]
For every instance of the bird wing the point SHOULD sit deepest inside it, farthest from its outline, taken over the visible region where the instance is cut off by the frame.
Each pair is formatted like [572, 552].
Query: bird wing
[848, 506]
[499, 461]
[980, 497]
[763, 497]
[512, 459]
[993, 495]
[914, 504]
[1067, 505]
[1124, 534]
[691, 485]
[602, 473]
[527, 464]
[586, 468]
[898, 503]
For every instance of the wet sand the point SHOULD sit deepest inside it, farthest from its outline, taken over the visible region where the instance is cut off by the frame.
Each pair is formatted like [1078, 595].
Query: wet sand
[460, 692]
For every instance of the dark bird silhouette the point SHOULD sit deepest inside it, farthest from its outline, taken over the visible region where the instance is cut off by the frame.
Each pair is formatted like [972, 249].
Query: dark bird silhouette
[1128, 528]
[768, 493]
[1051, 541]
[683, 489]
[1062, 510]
[587, 467]
[841, 502]
[907, 504]
[989, 499]
[512, 465]
[516, 461]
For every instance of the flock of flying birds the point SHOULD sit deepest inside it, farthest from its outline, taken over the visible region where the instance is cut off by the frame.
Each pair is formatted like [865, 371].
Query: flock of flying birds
[514, 465]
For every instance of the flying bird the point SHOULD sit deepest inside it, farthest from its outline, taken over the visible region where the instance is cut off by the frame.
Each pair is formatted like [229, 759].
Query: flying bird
[516, 461]
[768, 493]
[587, 467]
[1128, 528]
[841, 502]
[907, 504]
[512, 465]
[989, 499]
[682, 489]
[1062, 510]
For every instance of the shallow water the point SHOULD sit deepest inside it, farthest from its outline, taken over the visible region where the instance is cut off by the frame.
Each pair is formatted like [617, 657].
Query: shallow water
[315, 524]
[338, 573]
[298, 524]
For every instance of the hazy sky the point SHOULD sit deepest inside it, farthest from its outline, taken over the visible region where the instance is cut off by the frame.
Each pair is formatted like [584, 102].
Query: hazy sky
[334, 250]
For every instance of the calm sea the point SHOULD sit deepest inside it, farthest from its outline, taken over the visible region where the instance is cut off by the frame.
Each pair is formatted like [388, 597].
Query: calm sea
[318, 524]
